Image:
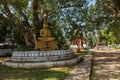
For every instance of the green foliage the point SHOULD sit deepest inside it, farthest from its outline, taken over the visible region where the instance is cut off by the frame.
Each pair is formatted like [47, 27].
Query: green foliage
[101, 18]
[73, 18]
[109, 37]
[115, 29]
[81, 53]
[23, 47]
[4, 30]
[66, 45]
[58, 34]
[64, 15]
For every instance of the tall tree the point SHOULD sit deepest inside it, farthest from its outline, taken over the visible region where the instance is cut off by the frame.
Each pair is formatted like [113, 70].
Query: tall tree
[114, 26]
[27, 16]
[107, 17]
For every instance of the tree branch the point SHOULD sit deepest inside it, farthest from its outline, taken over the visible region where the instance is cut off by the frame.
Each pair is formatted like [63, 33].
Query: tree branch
[20, 12]
[58, 8]
[113, 9]
[8, 13]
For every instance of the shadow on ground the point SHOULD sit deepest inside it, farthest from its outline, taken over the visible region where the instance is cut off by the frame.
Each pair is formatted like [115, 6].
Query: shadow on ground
[106, 66]
[8, 73]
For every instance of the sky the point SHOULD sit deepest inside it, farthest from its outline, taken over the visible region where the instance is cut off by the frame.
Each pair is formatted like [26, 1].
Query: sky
[91, 2]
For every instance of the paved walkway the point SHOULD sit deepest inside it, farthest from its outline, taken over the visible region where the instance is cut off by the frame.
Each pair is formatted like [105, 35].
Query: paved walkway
[106, 65]
[82, 70]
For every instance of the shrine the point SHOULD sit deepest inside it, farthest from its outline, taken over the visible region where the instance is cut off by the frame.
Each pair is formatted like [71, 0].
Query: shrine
[46, 55]
[45, 41]
[78, 40]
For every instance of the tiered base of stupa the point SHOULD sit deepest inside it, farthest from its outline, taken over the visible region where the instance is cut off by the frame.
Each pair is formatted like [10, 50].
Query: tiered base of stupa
[42, 59]
[46, 45]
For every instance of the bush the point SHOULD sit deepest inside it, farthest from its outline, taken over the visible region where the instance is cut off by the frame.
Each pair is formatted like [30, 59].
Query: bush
[25, 48]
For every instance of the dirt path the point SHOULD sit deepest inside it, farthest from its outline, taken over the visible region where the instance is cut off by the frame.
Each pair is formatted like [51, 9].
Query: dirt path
[106, 66]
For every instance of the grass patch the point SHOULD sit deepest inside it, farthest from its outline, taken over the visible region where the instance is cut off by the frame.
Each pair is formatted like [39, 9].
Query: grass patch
[8, 73]
[81, 53]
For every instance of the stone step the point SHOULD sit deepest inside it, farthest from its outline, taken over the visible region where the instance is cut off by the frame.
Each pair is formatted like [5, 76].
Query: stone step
[43, 58]
[38, 64]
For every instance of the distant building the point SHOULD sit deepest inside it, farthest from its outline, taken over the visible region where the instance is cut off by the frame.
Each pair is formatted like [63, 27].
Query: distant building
[78, 40]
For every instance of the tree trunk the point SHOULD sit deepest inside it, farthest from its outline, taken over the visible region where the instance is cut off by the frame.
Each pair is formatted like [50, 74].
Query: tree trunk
[36, 21]
[27, 34]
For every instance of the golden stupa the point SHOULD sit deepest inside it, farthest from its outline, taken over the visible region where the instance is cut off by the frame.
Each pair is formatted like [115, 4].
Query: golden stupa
[45, 41]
